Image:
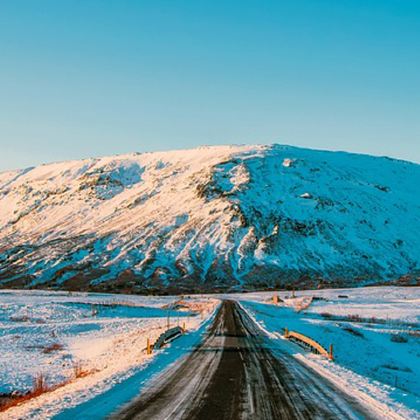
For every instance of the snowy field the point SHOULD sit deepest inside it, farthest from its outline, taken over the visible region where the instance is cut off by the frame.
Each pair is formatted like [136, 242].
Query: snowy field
[88, 344]
[80, 343]
[375, 332]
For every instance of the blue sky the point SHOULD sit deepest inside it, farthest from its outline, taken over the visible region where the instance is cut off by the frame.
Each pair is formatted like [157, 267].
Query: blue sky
[85, 78]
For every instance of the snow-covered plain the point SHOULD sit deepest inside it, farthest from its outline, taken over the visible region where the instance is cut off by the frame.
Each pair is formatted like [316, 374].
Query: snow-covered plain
[104, 336]
[375, 332]
[225, 218]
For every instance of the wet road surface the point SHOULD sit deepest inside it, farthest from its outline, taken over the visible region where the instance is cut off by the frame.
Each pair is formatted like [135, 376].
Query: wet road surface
[236, 374]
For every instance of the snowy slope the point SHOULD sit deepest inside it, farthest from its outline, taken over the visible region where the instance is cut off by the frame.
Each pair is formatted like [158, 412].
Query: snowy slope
[210, 218]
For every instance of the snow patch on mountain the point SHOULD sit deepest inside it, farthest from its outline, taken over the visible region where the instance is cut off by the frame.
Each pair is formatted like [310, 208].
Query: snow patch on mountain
[210, 218]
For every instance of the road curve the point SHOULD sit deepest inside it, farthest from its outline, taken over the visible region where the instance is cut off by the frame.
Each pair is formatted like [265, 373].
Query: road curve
[234, 374]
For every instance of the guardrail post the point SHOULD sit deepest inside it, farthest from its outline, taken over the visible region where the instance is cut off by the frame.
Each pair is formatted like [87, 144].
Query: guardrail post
[331, 356]
[148, 347]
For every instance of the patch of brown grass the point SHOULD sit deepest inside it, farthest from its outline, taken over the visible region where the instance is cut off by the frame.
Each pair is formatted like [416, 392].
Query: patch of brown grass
[40, 387]
[80, 372]
[353, 331]
[52, 347]
[399, 338]
[19, 318]
[40, 384]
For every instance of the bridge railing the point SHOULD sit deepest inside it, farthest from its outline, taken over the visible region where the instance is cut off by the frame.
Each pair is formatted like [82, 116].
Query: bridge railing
[309, 342]
[164, 338]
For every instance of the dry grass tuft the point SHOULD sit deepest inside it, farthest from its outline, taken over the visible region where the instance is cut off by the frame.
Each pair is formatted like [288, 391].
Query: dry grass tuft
[52, 347]
[40, 384]
[399, 338]
[353, 331]
[40, 387]
[79, 372]
[19, 318]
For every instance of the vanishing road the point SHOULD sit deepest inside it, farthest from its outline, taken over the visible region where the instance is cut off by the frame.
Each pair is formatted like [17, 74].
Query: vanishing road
[236, 374]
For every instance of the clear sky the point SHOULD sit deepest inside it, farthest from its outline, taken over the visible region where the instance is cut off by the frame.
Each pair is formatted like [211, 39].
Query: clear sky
[85, 78]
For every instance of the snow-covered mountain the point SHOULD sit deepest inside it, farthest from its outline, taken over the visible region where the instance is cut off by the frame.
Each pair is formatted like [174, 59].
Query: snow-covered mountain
[211, 218]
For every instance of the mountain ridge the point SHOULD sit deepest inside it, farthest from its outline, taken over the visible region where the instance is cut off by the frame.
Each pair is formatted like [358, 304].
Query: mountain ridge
[210, 218]
[227, 145]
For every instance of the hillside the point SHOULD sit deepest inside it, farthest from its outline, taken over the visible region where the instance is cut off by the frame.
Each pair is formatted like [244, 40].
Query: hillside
[212, 218]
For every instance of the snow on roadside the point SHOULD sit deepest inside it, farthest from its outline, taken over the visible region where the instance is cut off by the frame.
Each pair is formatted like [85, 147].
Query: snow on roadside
[376, 397]
[399, 304]
[39, 331]
[362, 323]
[110, 350]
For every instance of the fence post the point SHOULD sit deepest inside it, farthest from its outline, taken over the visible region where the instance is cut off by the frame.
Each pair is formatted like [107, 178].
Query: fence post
[275, 299]
[331, 356]
[286, 333]
[183, 327]
[149, 347]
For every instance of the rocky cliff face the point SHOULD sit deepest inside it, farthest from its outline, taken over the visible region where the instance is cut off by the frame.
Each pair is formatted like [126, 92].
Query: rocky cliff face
[212, 218]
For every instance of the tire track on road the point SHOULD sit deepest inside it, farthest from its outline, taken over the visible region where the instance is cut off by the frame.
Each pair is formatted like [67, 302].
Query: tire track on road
[236, 374]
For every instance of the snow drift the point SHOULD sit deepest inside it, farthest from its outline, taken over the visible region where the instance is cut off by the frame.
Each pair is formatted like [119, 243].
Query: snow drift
[212, 218]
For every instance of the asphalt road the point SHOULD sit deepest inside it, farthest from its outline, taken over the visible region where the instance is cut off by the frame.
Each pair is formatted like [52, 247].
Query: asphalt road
[235, 373]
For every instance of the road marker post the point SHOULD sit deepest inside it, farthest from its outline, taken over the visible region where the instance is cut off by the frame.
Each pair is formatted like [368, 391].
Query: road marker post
[148, 347]
[330, 354]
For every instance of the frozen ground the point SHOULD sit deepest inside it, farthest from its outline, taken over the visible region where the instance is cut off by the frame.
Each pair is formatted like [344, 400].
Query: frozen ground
[56, 333]
[375, 333]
